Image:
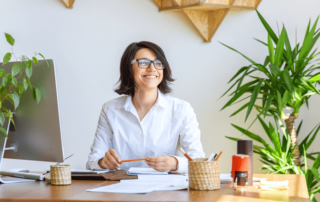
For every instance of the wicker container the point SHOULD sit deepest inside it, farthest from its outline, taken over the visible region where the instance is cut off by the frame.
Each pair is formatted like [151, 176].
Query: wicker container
[60, 174]
[204, 175]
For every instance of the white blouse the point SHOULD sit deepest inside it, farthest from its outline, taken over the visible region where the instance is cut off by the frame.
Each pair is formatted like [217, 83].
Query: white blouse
[120, 128]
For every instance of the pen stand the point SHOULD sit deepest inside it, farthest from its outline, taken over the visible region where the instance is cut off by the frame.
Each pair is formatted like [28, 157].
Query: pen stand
[60, 174]
[204, 175]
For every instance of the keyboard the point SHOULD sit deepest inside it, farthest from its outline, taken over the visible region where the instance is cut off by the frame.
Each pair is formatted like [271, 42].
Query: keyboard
[26, 175]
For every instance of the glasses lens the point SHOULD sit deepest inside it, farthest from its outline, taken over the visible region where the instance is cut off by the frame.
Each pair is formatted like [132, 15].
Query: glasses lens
[144, 63]
[158, 64]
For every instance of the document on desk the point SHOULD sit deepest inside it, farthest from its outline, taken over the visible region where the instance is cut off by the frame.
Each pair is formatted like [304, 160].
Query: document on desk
[83, 171]
[144, 171]
[146, 185]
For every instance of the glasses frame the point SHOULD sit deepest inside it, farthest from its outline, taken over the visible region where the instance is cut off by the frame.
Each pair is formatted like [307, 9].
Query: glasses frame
[151, 61]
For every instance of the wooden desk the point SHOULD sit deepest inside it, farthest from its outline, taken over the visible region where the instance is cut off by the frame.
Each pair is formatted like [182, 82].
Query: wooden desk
[41, 191]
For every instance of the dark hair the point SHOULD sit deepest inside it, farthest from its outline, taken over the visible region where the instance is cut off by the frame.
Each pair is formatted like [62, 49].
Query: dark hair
[127, 83]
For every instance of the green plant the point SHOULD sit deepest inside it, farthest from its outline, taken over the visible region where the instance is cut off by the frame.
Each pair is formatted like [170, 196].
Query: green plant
[14, 83]
[288, 79]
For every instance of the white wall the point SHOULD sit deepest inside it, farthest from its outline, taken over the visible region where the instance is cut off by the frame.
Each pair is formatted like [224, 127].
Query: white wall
[87, 43]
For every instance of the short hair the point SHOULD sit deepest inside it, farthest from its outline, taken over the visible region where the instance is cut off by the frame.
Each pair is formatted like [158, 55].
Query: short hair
[127, 83]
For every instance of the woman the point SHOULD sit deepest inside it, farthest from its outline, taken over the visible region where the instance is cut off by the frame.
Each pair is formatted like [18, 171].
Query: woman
[146, 123]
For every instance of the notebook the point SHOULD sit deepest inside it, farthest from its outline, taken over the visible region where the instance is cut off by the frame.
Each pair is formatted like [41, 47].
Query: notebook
[83, 171]
[144, 171]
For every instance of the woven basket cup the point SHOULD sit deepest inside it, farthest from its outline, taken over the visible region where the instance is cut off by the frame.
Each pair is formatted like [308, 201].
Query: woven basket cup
[204, 175]
[60, 174]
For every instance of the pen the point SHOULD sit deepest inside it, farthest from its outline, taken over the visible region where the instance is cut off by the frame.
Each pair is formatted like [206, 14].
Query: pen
[143, 159]
[188, 157]
[219, 156]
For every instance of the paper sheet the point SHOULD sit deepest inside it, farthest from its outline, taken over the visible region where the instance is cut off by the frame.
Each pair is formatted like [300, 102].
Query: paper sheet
[156, 177]
[146, 185]
[128, 188]
[144, 171]
[83, 171]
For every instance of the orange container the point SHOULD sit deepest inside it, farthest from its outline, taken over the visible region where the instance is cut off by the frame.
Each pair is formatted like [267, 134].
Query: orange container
[240, 162]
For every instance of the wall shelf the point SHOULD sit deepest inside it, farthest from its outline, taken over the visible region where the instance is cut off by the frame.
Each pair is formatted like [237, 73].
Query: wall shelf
[206, 15]
[68, 3]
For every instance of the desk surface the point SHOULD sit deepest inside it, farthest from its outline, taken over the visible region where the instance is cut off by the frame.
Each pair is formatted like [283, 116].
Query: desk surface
[41, 191]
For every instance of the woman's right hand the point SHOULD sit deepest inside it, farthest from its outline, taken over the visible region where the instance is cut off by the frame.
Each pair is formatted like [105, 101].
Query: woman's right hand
[110, 160]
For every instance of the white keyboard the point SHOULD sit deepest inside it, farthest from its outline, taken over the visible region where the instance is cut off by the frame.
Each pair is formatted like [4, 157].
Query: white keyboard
[26, 175]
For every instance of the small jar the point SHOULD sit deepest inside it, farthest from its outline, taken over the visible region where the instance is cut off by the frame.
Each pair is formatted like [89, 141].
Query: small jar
[60, 174]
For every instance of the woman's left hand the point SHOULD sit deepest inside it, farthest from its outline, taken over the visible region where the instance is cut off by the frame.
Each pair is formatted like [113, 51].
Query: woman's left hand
[163, 163]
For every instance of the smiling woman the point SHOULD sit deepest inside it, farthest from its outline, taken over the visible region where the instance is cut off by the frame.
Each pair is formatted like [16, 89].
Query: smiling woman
[147, 122]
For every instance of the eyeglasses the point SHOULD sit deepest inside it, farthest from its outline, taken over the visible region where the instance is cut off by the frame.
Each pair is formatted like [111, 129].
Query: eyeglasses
[145, 63]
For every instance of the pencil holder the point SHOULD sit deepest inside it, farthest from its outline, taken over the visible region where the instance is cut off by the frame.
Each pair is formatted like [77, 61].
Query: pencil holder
[204, 175]
[60, 174]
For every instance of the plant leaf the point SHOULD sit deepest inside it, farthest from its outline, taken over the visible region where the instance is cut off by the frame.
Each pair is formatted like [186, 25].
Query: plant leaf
[268, 28]
[4, 132]
[305, 49]
[269, 101]
[9, 38]
[14, 81]
[274, 69]
[299, 127]
[2, 72]
[37, 94]
[280, 48]
[253, 98]
[44, 59]
[2, 119]
[6, 58]
[15, 69]
[271, 49]
[316, 78]
[16, 99]
[240, 109]
[312, 138]
[35, 60]
[25, 84]
[256, 138]
[287, 79]
[29, 69]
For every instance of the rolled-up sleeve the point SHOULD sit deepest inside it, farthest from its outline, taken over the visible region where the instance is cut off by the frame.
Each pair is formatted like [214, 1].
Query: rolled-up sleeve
[102, 141]
[189, 139]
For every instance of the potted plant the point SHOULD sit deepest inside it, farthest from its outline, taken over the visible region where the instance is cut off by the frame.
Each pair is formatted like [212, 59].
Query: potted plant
[288, 81]
[14, 83]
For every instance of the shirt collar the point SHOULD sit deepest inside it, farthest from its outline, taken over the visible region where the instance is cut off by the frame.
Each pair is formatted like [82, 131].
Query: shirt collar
[161, 101]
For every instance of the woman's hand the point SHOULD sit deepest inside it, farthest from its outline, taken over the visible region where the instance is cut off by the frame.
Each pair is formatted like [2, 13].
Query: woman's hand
[110, 160]
[163, 163]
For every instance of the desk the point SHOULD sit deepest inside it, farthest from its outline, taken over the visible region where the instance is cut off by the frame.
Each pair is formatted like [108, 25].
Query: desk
[41, 191]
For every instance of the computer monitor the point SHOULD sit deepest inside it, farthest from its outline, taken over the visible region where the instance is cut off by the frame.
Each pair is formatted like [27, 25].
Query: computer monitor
[37, 133]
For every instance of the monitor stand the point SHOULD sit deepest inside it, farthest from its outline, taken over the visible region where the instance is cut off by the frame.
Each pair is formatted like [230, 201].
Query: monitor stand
[3, 141]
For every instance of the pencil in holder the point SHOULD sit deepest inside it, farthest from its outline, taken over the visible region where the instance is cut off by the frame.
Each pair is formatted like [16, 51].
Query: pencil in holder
[60, 174]
[203, 174]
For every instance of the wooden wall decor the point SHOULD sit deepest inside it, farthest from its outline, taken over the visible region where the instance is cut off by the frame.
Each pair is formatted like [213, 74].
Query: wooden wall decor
[206, 15]
[68, 3]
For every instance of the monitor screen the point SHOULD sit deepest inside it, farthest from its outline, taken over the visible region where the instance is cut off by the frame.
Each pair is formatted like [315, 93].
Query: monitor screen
[36, 134]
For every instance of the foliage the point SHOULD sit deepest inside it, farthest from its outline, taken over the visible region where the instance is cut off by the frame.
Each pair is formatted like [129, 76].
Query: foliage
[14, 83]
[288, 79]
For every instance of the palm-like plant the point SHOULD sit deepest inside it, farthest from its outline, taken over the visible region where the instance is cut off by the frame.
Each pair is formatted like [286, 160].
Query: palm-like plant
[288, 81]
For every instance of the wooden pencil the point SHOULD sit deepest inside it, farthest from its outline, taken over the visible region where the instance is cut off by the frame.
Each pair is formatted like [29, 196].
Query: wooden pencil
[219, 156]
[129, 160]
[184, 153]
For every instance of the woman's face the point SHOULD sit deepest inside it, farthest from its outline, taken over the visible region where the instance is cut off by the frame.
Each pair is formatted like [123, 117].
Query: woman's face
[150, 78]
